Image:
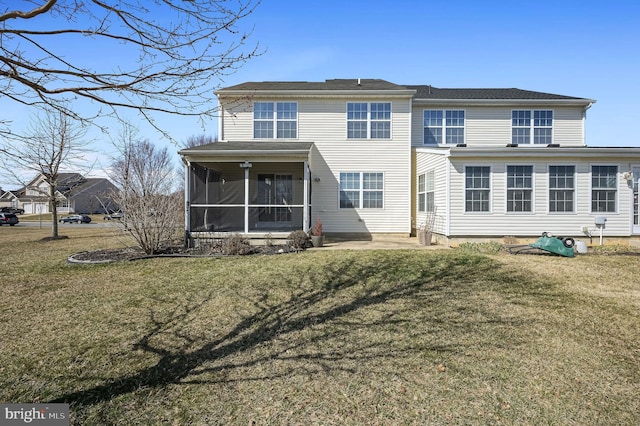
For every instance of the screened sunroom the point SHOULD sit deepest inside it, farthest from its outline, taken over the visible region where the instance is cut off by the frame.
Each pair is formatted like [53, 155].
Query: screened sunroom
[249, 188]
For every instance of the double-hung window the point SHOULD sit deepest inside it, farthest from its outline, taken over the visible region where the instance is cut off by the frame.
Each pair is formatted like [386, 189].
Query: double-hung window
[443, 126]
[604, 184]
[561, 189]
[369, 120]
[275, 120]
[361, 190]
[519, 188]
[477, 185]
[532, 127]
[426, 192]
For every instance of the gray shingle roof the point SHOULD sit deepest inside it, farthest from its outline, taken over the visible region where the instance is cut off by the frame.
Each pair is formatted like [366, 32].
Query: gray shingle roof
[422, 91]
[336, 84]
[264, 146]
[430, 92]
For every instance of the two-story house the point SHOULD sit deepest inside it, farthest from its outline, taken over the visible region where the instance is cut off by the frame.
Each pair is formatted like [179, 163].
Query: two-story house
[370, 157]
[75, 194]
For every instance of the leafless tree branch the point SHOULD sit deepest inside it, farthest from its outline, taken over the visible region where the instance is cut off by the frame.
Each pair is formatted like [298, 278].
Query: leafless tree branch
[171, 54]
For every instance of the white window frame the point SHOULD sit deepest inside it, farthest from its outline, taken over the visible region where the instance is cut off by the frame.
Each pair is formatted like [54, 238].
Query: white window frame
[361, 190]
[575, 188]
[444, 127]
[531, 126]
[531, 189]
[490, 189]
[615, 188]
[275, 120]
[422, 191]
[369, 120]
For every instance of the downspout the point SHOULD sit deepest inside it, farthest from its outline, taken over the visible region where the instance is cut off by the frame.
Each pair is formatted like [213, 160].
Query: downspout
[447, 213]
[305, 196]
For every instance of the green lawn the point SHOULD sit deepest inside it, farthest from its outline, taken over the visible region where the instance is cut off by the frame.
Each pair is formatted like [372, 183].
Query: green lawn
[322, 337]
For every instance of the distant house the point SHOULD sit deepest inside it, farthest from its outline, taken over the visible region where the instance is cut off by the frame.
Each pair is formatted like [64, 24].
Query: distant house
[370, 156]
[75, 194]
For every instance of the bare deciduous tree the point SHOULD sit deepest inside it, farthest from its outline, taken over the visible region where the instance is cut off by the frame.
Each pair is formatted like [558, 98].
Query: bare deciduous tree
[145, 176]
[199, 140]
[54, 142]
[171, 54]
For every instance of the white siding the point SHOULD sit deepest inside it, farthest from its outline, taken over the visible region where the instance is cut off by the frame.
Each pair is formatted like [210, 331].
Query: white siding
[498, 222]
[491, 126]
[323, 121]
[438, 163]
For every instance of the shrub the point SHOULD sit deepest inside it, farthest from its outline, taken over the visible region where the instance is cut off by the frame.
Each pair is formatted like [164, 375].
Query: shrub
[298, 240]
[236, 245]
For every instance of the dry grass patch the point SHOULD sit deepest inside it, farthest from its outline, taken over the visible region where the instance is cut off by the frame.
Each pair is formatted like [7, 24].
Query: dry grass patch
[334, 337]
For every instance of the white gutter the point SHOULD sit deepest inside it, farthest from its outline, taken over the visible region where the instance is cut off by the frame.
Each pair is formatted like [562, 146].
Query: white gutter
[544, 151]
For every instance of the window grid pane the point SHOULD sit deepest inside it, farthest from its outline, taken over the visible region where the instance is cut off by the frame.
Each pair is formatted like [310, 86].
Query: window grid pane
[361, 188]
[357, 130]
[381, 130]
[432, 135]
[604, 183]
[477, 188]
[519, 188]
[263, 129]
[449, 123]
[536, 124]
[381, 120]
[357, 120]
[561, 189]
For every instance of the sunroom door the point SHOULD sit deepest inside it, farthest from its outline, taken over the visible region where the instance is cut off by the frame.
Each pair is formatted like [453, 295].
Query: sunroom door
[635, 228]
[275, 195]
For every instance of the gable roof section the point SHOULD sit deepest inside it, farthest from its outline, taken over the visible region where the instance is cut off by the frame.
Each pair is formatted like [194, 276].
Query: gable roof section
[430, 94]
[420, 93]
[354, 86]
[336, 84]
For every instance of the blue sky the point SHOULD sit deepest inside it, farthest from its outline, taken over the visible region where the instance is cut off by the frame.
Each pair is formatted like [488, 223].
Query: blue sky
[586, 49]
[583, 48]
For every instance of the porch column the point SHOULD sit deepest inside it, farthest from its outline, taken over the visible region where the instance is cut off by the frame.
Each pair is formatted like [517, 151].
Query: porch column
[305, 197]
[246, 166]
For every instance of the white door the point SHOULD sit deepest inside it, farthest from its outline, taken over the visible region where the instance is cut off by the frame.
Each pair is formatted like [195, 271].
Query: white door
[635, 227]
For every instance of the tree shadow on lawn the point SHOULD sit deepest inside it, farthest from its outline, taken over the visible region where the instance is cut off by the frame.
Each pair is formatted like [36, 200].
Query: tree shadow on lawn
[327, 302]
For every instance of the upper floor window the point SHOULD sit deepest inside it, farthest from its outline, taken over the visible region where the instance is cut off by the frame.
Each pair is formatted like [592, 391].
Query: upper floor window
[562, 188]
[275, 120]
[361, 189]
[426, 192]
[477, 187]
[604, 184]
[369, 120]
[519, 188]
[443, 126]
[532, 127]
